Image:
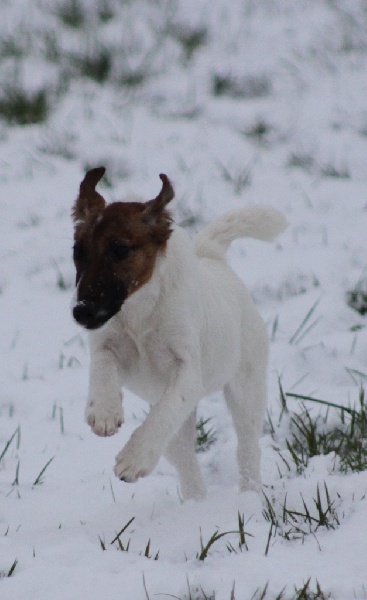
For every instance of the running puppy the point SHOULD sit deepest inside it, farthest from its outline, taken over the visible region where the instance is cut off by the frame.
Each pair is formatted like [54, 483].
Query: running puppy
[170, 321]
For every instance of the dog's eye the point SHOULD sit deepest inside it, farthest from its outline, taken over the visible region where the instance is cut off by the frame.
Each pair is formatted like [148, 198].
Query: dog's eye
[119, 251]
[79, 252]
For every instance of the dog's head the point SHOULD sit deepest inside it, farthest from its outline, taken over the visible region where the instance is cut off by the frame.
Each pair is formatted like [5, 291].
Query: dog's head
[115, 248]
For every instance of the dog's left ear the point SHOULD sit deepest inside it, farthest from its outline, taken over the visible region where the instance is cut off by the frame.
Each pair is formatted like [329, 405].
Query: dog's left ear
[154, 208]
[89, 201]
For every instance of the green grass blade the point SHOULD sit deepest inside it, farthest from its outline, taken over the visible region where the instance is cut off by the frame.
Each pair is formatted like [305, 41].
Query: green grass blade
[300, 331]
[12, 568]
[122, 530]
[324, 402]
[39, 478]
[6, 447]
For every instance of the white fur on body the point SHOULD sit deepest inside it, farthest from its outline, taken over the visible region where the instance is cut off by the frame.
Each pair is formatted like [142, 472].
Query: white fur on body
[188, 332]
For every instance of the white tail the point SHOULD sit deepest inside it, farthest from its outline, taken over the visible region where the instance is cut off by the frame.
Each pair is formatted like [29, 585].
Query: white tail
[259, 222]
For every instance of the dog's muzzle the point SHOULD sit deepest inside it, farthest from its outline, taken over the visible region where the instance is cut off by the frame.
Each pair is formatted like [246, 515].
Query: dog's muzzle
[92, 314]
[89, 315]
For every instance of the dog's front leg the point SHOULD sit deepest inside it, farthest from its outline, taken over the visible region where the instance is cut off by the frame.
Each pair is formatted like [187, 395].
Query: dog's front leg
[104, 411]
[148, 442]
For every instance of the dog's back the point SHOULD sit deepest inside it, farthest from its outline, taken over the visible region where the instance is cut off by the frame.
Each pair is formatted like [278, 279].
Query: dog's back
[206, 296]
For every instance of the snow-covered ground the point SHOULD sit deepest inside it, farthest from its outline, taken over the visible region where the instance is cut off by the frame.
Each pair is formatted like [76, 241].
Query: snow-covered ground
[239, 103]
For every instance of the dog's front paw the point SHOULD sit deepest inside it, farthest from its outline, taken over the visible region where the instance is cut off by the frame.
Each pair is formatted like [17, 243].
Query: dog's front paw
[137, 459]
[104, 420]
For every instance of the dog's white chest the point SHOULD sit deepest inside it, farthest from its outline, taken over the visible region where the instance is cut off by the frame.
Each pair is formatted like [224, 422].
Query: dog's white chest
[145, 363]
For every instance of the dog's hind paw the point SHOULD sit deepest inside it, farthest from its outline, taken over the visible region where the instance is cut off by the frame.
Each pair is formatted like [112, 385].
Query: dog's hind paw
[102, 420]
[250, 485]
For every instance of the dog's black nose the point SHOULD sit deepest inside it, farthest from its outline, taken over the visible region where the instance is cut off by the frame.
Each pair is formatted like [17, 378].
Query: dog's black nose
[85, 312]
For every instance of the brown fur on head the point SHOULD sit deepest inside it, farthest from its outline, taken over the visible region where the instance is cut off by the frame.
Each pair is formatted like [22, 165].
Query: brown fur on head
[89, 201]
[115, 248]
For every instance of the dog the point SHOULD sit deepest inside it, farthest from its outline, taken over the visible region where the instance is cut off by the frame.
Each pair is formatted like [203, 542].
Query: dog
[169, 320]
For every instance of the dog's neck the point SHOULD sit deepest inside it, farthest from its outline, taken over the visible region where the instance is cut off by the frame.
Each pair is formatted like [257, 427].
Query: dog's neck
[135, 314]
[139, 314]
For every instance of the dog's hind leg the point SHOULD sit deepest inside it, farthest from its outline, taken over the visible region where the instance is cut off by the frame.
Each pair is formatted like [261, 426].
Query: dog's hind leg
[245, 395]
[181, 454]
[247, 408]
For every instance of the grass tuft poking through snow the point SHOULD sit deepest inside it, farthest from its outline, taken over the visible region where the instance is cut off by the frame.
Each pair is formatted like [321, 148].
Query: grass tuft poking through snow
[40, 477]
[20, 107]
[311, 435]
[16, 435]
[9, 572]
[300, 593]
[205, 435]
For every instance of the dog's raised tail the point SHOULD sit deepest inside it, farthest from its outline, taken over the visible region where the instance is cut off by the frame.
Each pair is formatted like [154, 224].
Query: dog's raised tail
[259, 222]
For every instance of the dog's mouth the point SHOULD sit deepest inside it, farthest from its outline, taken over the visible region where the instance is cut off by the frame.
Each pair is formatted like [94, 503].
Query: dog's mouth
[91, 316]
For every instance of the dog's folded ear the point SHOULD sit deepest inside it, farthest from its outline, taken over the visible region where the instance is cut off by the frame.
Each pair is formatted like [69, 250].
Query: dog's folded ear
[89, 201]
[154, 208]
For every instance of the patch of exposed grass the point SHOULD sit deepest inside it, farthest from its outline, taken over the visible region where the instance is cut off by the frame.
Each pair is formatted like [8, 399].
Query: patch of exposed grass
[9, 572]
[308, 162]
[51, 50]
[205, 436]
[55, 144]
[193, 593]
[16, 478]
[231, 548]
[125, 546]
[242, 537]
[302, 160]
[239, 178]
[67, 361]
[204, 548]
[40, 477]
[296, 524]
[190, 39]
[132, 79]
[246, 87]
[294, 284]
[30, 221]
[15, 436]
[71, 13]
[305, 326]
[61, 282]
[60, 411]
[95, 65]
[11, 47]
[335, 171]
[105, 11]
[20, 107]
[305, 592]
[311, 434]
[117, 538]
[357, 297]
[147, 552]
[8, 409]
[259, 132]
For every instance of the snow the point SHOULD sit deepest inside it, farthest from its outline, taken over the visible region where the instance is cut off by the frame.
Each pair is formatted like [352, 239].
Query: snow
[310, 58]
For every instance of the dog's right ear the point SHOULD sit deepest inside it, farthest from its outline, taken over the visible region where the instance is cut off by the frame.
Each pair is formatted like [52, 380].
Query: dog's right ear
[89, 201]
